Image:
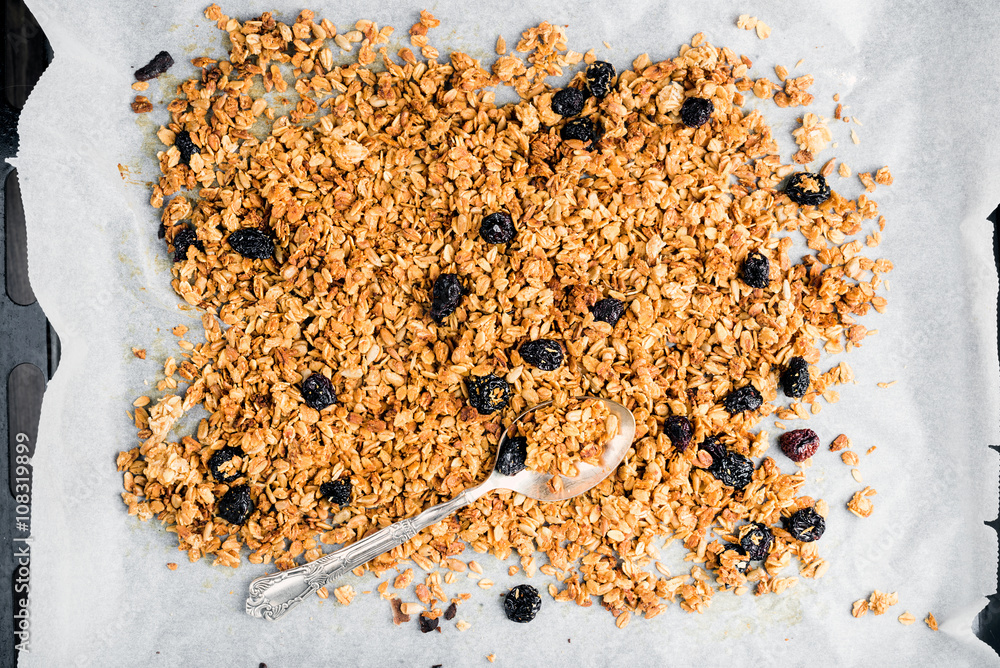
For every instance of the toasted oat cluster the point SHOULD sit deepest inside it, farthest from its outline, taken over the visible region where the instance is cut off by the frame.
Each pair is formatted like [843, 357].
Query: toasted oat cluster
[567, 432]
[311, 222]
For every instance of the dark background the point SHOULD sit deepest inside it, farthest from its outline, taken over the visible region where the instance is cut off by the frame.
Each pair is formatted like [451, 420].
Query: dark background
[29, 347]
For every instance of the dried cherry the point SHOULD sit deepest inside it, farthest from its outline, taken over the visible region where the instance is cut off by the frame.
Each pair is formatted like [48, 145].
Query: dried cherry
[488, 394]
[806, 525]
[799, 444]
[522, 603]
[544, 354]
[235, 505]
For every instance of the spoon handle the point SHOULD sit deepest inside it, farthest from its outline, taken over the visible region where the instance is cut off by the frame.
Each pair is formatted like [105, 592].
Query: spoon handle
[271, 596]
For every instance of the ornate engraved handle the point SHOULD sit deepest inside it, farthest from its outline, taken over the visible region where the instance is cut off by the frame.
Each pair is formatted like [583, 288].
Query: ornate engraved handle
[271, 596]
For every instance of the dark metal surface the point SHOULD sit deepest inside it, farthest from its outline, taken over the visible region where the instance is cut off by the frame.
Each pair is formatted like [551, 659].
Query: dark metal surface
[29, 347]
[29, 350]
[988, 622]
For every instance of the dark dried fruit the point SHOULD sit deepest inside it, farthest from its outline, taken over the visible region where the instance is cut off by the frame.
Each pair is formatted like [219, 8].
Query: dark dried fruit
[569, 101]
[448, 293]
[235, 505]
[184, 240]
[252, 243]
[806, 525]
[498, 228]
[449, 613]
[160, 63]
[696, 111]
[220, 458]
[599, 77]
[807, 188]
[712, 446]
[522, 603]
[488, 394]
[544, 354]
[743, 563]
[184, 144]
[679, 430]
[579, 128]
[756, 270]
[512, 455]
[795, 378]
[608, 310]
[757, 541]
[317, 391]
[746, 398]
[337, 491]
[427, 624]
[732, 469]
[799, 444]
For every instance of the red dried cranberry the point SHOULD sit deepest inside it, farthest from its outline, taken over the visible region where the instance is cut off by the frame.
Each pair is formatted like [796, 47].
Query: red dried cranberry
[799, 444]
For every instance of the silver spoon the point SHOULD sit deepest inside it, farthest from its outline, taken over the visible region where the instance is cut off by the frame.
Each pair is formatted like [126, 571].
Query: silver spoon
[271, 596]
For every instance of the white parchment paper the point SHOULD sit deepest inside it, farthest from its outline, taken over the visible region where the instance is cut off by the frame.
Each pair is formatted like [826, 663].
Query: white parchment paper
[923, 79]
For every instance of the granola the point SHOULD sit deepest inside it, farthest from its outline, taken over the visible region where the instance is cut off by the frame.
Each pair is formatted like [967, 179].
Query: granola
[373, 183]
[565, 433]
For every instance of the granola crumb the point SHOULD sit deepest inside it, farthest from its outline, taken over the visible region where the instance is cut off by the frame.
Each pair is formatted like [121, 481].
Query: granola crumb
[141, 104]
[802, 157]
[885, 385]
[883, 176]
[860, 504]
[813, 135]
[860, 608]
[493, 657]
[871, 450]
[746, 22]
[844, 170]
[322, 592]
[850, 458]
[180, 330]
[501, 47]
[868, 181]
[931, 622]
[139, 352]
[880, 602]
[906, 619]
[140, 86]
[763, 30]
[172, 566]
[854, 137]
[344, 594]
[463, 625]
[404, 579]
[840, 443]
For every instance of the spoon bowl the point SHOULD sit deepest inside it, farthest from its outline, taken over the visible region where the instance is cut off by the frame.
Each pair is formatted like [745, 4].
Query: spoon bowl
[535, 484]
[272, 596]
